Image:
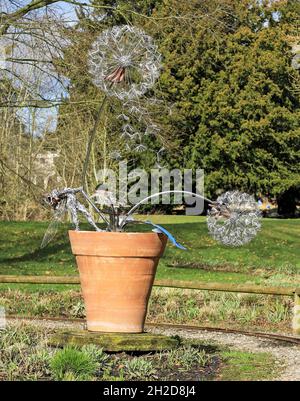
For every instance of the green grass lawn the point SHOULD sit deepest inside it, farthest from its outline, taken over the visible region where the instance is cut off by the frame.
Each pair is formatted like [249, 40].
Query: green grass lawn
[272, 257]
[245, 366]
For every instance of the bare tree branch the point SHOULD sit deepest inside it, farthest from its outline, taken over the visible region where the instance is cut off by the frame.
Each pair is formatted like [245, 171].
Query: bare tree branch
[8, 19]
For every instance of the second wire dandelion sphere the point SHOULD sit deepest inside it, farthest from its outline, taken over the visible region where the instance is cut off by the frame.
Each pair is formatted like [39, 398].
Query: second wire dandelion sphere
[234, 219]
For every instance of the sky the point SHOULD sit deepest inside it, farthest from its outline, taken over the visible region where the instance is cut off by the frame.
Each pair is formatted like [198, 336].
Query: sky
[45, 118]
[68, 9]
[7, 5]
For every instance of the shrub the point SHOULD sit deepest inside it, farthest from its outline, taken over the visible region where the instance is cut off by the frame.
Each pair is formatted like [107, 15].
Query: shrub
[138, 368]
[71, 363]
[187, 357]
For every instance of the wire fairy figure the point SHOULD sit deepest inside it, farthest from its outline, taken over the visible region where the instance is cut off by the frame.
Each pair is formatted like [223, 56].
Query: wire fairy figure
[62, 202]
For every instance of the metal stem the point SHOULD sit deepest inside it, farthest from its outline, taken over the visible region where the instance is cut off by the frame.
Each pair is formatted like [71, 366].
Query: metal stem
[162, 193]
[94, 206]
[91, 140]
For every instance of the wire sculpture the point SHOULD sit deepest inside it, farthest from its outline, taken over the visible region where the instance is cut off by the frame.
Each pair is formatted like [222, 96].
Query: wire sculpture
[124, 62]
[234, 219]
[62, 202]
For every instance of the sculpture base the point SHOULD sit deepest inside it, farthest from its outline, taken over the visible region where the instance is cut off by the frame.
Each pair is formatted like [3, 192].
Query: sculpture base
[115, 342]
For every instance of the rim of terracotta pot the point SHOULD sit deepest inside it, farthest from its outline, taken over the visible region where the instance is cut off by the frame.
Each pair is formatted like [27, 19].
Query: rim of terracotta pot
[115, 232]
[118, 244]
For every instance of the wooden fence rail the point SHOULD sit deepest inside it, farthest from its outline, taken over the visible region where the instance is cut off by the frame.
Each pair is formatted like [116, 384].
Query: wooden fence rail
[191, 285]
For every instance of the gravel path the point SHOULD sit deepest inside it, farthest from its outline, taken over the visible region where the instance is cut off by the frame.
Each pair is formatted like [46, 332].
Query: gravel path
[285, 353]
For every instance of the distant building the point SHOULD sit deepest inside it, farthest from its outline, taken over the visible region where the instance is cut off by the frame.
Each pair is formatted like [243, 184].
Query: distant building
[44, 168]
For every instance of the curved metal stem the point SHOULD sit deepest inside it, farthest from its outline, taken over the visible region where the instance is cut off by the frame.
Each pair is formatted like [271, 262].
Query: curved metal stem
[91, 140]
[162, 193]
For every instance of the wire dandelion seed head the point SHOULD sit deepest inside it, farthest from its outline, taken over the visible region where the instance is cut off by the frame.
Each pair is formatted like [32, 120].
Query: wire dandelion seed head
[296, 62]
[136, 126]
[124, 62]
[140, 148]
[152, 130]
[296, 57]
[234, 218]
[115, 155]
[160, 158]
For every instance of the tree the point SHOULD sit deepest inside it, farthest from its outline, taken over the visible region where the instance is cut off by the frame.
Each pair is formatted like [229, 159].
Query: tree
[249, 132]
[227, 75]
[238, 113]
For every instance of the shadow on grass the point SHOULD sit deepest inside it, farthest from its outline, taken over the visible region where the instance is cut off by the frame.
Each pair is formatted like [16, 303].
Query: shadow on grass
[38, 254]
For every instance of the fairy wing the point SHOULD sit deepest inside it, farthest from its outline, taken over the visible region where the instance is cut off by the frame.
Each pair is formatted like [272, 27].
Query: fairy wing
[53, 226]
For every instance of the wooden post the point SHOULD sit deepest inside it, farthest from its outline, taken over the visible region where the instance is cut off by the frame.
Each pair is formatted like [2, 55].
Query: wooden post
[296, 316]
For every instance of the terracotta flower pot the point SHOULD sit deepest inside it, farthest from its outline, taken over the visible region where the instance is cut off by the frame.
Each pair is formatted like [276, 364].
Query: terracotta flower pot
[117, 271]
